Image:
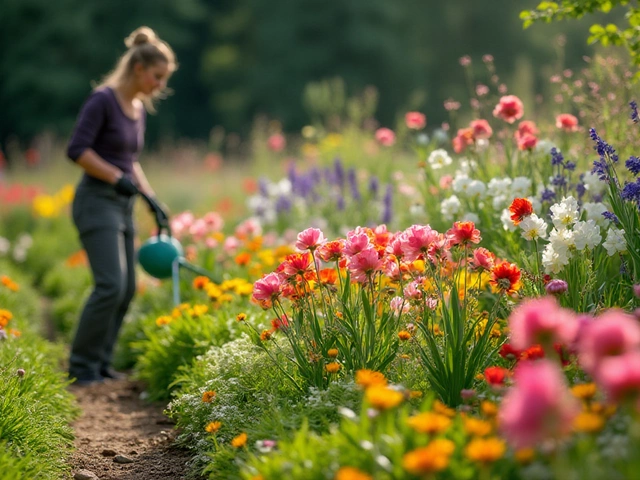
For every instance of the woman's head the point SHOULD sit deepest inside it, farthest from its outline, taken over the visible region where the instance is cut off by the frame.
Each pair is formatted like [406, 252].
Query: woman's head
[147, 65]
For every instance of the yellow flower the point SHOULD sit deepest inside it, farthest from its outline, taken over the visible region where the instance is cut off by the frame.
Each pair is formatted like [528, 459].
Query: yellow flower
[432, 458]
[442, 409]
[404, 335]
[213, 291]
[66, 194]
[332, 353]
[332, 367]
[351, 473]
[163, 320]
[429, 422]
[239, 441]
[485, 450]
[588, 422]
[208, 396]
[199, 310]
[477, 427]
[367, 378]
[415, 394]
[213, 427]
[525, 455]
[382, 397]
[241, 317]
[45, 206]
[488, 408]
[584, 391]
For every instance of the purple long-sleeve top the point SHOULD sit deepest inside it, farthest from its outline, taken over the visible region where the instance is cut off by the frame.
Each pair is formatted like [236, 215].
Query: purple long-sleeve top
[103, 127]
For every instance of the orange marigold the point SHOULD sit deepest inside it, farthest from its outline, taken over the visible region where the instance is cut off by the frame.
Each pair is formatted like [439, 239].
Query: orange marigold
[382, 397]
[208, 396]
[404, 335]
[5, 317]
[351, 473]
[332, 353]
[200, 282]
[432, 458]
[332, 367]
[241, 317]
[213, 427]
[429, 422]
[265, 335]
[368, 378]
[239, 441]
[485, 450]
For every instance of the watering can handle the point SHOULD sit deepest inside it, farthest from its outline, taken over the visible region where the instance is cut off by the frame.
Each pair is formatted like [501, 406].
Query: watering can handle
[162, 220]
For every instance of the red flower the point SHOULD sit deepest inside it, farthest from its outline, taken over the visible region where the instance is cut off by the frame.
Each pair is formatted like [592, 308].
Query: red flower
[297, 264]
[520, 209]
[505, 278]
[415, 120]
[495, 375]
[567, 122]
[532, 353]
[481, 129]
[508, 352]
[526, 141]
[509, 109]
[463, 232]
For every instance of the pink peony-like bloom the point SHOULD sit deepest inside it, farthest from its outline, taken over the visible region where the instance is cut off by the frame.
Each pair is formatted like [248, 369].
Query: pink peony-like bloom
[567, 122]
[539, 405]
[399, 304]
[386, 137]
[181, 223]
[310, 239]
[415, 120]
[416, 241]
[248, 228]
[268, 287]
[541, 321]
[331, 251]
[364, 264]
[230, 245]
[463, 233]
[214, 221]
[276, 142]
[357, 241]
[527, 127]
[481, 129]
[445, 181]
[526, 142]
[483, 258]
[296, 264]
[412, 291]
[509, 109]
[463, 139]
[619, 376]
[610, 334]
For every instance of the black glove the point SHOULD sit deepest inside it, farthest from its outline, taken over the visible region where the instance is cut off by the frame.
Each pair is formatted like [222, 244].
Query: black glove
[124, 186]
[162, 218]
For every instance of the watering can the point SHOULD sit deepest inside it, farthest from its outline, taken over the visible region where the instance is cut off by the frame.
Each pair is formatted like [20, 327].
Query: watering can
[162, 256]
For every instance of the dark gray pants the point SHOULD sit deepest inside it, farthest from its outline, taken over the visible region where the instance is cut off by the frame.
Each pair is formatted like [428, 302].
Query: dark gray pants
[104, 221]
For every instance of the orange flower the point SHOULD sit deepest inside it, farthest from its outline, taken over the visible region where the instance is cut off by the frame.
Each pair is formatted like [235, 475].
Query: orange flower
[213, 427]
[328, 276]
[77, 259]
[200, 282]
[351, 473]
[520, 209]
[383, 398]
[333, 367]
[239, 441]
[404, 335]
[332, 353]
[432, 458]
[10, 284]
[163, 320]
[208, 396]
[241, 317]
[429, 422]
[5, 317]
[485, 450]
[265, 335]
[477, 427]
[505, 278]
[243, 258]
[367, 378]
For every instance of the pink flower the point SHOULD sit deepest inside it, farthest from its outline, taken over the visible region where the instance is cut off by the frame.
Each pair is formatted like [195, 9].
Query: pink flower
[249, 228]
[214, 221]
[483, 258]
[527, 127]
[481, 129]
[509, 109]
[567, 122]
[538, 407]
[415, 120]
[385, 137]
[268, 287]
[357, 241]
[398, 303]
[364, 264]
[610, 334]
[445, 181]
[463, 139]
[310, 239]
[526, 142]
[412, 291]
[619, 376]
[416, 241]
[463, 233]
[481, 90]
[230, 245]
[541, 321]
[296, 264]
[276, 142]
[331, 251]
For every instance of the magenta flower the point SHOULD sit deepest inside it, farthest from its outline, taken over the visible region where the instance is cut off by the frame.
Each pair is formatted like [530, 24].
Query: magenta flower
[310, 239]
[538, 406]
[357, 241]
[385, 137]
[509, 109]
[268, 287]
[416, 241]
[541, 321]
[415, 120]
[619, 376]
[610, 334]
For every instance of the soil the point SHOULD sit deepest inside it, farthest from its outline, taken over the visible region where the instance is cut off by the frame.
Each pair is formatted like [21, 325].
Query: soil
[116, 421]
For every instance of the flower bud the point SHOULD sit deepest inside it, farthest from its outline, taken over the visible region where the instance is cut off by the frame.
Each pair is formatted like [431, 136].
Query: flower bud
[556, 287]
[20, 372]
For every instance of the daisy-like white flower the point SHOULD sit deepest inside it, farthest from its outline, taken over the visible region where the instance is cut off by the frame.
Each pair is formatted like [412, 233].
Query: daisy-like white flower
[450, 207]
[615, 242]
[554, 261]
[586, 235]
[533, 228]
[439, 158]
[565, 213]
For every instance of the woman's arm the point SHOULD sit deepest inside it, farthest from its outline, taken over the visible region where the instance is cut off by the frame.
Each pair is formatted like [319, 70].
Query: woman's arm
[140, 179]
[97, 167]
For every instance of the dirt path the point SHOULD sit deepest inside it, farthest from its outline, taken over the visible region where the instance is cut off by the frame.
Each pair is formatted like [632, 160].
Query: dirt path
[114, 423]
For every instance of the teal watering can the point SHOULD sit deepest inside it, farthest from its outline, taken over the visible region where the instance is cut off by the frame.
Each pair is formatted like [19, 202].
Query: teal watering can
[162, 256]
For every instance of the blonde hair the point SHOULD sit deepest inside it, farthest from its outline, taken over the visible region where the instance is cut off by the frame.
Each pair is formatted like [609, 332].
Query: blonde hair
[147, 49]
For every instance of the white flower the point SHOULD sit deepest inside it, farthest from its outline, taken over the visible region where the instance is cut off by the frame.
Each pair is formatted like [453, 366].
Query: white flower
[460, 184]
[520, 187]
[499, 202]
[439, 158]
[586, 235]
[593, 184]
[615, 241]
[498, 186]
[450, 207]
[507, 223]
[565, 213]
[562, 240]
[544, 146]
[533, 227]
[471, 217]
[466, 166]
[554, 261]
[476, 188]
[594, 212]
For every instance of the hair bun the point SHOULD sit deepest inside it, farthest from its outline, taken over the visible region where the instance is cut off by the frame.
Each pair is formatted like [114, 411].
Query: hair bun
[140, 36]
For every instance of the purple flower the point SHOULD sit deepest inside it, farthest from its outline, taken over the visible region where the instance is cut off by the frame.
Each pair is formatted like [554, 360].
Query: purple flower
[556, 287]
[611, 217]
[634, 111]
[547, 195]
[556, 157]
[633, 165]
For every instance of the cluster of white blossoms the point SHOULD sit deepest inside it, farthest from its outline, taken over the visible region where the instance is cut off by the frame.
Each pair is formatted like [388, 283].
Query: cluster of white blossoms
[570, 234]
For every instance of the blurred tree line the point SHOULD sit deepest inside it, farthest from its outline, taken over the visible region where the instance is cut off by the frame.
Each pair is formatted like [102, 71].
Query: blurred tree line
[239, 58]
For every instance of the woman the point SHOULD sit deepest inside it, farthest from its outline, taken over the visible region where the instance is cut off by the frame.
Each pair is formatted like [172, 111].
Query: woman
[106, 141]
